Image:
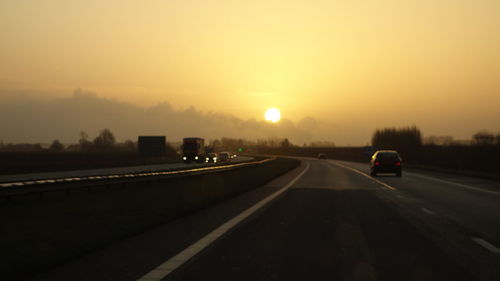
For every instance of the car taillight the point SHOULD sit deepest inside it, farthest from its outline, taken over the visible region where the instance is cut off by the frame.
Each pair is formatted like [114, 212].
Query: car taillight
[398, 164]
[377, 163]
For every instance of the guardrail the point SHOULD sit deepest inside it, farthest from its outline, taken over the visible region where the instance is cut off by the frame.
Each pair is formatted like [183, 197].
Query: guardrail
[30, 186]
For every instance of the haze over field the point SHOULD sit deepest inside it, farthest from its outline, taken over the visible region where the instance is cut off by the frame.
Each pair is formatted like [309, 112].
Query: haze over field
[336, 69]
[64, 118]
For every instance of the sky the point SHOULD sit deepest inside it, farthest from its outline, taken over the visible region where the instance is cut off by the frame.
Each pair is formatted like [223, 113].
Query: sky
[354, 65]
[64, 119]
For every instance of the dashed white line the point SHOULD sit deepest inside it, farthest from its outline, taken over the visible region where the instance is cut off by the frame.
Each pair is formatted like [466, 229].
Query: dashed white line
[117, 176]
[368, 176]
[487, 245]
[173, 263]
[483, 243]
[427, 211]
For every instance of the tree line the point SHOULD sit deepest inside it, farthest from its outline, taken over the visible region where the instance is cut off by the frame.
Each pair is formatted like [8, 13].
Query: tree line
[104, 141]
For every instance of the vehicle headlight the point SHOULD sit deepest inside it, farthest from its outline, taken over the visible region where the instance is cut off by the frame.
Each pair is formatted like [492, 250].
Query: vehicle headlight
[184, 158]
[196, 157]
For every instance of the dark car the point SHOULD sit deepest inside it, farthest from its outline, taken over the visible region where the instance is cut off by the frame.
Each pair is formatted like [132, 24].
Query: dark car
[224, 157]
[211, 157]
[321, 156]
[386, 161]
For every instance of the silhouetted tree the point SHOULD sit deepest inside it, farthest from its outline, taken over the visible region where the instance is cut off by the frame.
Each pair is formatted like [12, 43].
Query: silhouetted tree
[170, 152]
[73, 147]
[285, 143]
[407, 140]
[484, 138]
[21, 147]
[216, 145]
[104, 140]
[322, 144]
[84, 142]
[439, 140]
[130, 145]
[56, 146]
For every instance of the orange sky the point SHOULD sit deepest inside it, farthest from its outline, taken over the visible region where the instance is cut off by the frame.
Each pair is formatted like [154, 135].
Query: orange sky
[360, 64]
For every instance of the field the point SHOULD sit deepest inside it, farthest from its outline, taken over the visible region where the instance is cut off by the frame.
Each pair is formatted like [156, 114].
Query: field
[46, 161]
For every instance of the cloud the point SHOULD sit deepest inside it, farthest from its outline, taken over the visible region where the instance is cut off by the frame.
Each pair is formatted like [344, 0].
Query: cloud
[63, 118]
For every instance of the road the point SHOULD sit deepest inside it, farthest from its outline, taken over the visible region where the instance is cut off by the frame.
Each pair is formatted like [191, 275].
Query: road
[109, 171]
[470, 202]
[333, 222]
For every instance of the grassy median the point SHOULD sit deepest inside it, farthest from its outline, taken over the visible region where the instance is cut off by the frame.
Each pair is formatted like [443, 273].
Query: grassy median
[39, 233]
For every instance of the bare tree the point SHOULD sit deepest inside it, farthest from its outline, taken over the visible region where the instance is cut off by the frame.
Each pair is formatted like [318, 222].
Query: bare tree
[84, 142]
[104, 140]
[483, 138]
[56, 146]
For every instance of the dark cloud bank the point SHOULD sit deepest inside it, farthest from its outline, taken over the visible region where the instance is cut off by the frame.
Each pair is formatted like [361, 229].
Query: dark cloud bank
[64, 118]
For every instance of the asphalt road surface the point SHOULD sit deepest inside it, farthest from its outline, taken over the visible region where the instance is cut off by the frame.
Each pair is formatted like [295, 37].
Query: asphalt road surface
[333, 223]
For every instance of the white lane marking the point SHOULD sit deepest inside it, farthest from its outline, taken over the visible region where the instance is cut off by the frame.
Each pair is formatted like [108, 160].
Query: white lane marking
[366, 175]
[487, 245]
[427, 211]
[401, 196]
[113, 176]
[456, 183]
[174, 262]
[413, 174]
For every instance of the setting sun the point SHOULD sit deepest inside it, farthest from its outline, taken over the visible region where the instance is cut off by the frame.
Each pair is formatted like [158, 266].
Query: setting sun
[273, 115]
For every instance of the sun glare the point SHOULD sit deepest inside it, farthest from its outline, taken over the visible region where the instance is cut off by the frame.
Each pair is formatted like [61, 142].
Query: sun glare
[273, 115]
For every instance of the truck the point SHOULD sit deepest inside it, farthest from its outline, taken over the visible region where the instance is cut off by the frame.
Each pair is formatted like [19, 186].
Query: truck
[193, 150]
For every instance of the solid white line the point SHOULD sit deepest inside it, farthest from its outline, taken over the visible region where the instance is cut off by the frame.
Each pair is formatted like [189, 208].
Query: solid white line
[174, 262]
[456, 183]
[487, 245]
[425, 210]
[366, 175]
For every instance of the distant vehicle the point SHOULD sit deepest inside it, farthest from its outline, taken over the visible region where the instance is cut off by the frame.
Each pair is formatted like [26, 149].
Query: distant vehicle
[211, 157]
[193, 150]
[224, 156]
[386, 161]
[321, 156]
[234, 155]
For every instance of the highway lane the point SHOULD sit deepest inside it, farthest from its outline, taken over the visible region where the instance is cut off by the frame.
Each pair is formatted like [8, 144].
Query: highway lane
[470, 202]
[331, 224]
[110, 171]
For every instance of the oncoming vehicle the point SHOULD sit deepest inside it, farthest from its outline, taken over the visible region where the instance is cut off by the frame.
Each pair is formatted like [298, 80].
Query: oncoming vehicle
[321, 156]
[211, 157]
[224, 156]
[193, 150]
[386, 161]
